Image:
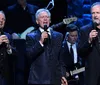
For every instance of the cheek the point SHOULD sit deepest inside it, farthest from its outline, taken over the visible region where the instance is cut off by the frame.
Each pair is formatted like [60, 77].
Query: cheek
[92, 17]
[39, 22]
[4, 22]
[73, 38]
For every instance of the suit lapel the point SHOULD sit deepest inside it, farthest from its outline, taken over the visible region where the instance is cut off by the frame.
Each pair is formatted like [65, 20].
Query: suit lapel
[38, 34]
[67, 49]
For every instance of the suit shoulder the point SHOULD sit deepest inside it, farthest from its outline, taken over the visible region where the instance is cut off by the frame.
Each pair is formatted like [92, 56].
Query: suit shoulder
[86, 27]
[11, 7]
[58, 33]
[33, 6]
[34, 33]
[7, 33]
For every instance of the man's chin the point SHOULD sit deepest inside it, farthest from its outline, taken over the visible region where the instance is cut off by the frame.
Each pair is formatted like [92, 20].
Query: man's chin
[97, 21]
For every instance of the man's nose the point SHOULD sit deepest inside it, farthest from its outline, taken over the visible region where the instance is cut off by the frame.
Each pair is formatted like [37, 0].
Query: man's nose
[95, 15]
[45, 19]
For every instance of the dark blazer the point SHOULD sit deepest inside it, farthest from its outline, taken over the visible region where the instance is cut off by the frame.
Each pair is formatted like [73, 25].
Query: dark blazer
[91, 53]
[44, 60]
[5, 61]
[18, 19]
[67, 60]
[67, 65]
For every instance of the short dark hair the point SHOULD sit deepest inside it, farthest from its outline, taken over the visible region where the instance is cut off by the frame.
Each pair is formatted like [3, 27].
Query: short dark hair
[71, 28]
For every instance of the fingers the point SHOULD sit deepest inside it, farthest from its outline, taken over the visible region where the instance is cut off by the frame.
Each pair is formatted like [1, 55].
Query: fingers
[44, 35]
[4, 38]
[64, 81]
[93, 33]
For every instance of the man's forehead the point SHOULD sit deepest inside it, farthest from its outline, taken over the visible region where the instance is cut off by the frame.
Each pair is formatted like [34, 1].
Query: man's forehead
[2, 15]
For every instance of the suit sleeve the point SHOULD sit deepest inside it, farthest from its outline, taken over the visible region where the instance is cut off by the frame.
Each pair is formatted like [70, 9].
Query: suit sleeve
[84, 46]
[33, 47]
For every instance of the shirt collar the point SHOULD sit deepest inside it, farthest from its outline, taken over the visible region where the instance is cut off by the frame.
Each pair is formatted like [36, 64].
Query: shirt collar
[73, 45]
[42, 30]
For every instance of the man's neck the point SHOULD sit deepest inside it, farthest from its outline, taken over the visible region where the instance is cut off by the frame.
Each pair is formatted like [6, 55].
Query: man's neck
[23, 5]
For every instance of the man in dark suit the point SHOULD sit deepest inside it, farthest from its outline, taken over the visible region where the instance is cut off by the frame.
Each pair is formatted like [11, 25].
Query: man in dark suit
[5, 52]
[20, 16]
[43, 47]
[90, 46]
[69, 56]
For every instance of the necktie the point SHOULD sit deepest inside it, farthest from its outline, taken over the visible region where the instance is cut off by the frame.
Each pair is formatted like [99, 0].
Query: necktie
[71, 51]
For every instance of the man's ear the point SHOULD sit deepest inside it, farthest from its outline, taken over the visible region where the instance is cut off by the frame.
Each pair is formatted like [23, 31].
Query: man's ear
[66, 36]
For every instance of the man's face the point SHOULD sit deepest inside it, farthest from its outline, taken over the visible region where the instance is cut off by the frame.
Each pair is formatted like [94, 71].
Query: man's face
[43, 19]
[72, 37]
[96, 14]
[2, 20]
[21, 2]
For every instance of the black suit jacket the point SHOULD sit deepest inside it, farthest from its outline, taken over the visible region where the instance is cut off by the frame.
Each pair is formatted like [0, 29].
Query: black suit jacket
[91, 53]
[6, 60]
[18, 19]
[44, 60]
[67, 61]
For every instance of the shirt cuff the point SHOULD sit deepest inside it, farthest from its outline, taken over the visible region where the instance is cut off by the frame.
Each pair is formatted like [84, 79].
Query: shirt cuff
[41, 44]
[9, 51]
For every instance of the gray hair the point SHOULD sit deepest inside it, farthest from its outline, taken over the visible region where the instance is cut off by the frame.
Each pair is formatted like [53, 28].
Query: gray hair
[2, 12]
[94, 4]
[42, 10]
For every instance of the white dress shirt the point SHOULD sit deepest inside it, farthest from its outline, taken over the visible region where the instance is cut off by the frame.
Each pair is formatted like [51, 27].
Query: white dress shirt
[74, 50]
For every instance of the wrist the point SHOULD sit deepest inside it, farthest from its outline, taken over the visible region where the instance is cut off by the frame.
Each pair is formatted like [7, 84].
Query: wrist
[89, 40]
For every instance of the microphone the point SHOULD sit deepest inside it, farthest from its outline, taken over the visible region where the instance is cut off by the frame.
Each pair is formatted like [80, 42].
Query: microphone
[2, 32]
[45, 27]
[46, 40]
[95, 25]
